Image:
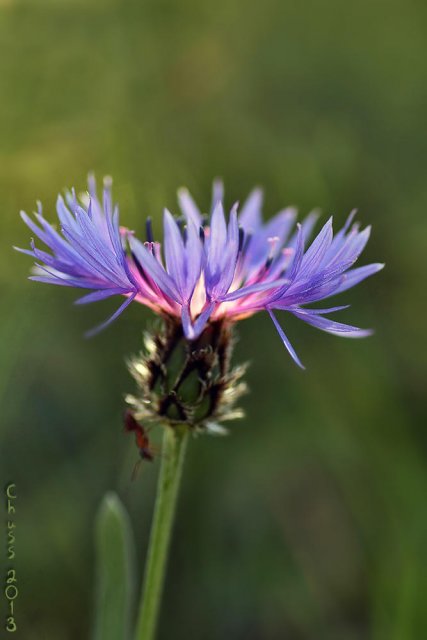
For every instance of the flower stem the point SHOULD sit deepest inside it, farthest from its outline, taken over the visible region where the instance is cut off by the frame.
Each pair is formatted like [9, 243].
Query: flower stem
[173, 453]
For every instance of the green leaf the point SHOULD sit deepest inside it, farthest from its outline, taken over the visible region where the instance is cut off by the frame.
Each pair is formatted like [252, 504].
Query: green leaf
[115, 562]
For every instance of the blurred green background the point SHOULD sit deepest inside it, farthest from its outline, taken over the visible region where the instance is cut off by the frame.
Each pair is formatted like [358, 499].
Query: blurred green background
[310, 521]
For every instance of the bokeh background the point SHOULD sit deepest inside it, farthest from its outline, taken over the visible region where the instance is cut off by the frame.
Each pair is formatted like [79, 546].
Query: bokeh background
[310, 521]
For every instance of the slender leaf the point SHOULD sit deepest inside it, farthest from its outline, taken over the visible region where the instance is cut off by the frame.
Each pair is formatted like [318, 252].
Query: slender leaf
[115, 580]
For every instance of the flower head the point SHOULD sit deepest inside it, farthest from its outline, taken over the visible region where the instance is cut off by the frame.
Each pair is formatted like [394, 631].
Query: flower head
[210, 268]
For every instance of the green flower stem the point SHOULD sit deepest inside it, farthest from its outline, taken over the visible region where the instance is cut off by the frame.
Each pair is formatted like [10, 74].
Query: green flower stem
[174, 446]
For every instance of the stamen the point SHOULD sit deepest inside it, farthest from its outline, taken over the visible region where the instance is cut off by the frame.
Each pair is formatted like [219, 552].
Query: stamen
[241, 238]
[139, 267]
[248, 238]
[149, 230]
[150, 247]
[273, 242]
[287, 253]
[268, 263]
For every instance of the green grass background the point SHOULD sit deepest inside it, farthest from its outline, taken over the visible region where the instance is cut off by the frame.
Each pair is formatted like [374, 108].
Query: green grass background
[310, 521]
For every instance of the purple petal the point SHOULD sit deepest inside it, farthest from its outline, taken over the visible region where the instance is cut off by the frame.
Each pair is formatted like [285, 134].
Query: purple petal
[194, 256]
[192, 331]
[95, 296]
[260, 247]
[91, 183]
[187, 325]
[216, 249]
[231, 252]
[59, 278]
[317, 250]
[111, 319]
[217, 193]
[340, 237]
[64, 215]
[97, 260]
[63, 282]
[189, 207]
[330, 326]
[218, 237]
[298, 256]
[354, 276]
[34, 228]
[285, 340]
[250, 218]
[28, 252]
[253, 288]
[201, 321]
[308, 286]
[174, 252]
[293, 268]
[307, 226]
[321, 311]
[356, 245]
[154, 269]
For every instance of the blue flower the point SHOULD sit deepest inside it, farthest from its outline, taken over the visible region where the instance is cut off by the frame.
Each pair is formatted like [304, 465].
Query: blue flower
[209, 268]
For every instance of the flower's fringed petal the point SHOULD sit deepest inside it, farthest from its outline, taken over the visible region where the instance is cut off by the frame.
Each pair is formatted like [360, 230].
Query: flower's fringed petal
[27, 252]
[293, 267]
[154, 269]
[174, 253]
[44, 237]
[194, 258]
[281, 225]
[330, 326]
[187, 325]
[340, 237]
[64, 282]
[295, 264]
[193, 330]
[303, 287]
[268, 241]
[60, 278]
[95, 296]
[231, 254]
[99, 264]
[250, 217]
[222, 248]
[317, 250]
[322, 312]
[189, 207]
[217, 243]
[44, 257]
[88, 253]
[307, 226]
[111, 319]
[203, 318]
[285, 340]
[354, 276]
[351, 247]
[319, 287]
[217, 193]
[253, 288]
[65, 217]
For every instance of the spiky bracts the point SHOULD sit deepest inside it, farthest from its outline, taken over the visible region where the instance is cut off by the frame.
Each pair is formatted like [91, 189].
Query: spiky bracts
[182, 382]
